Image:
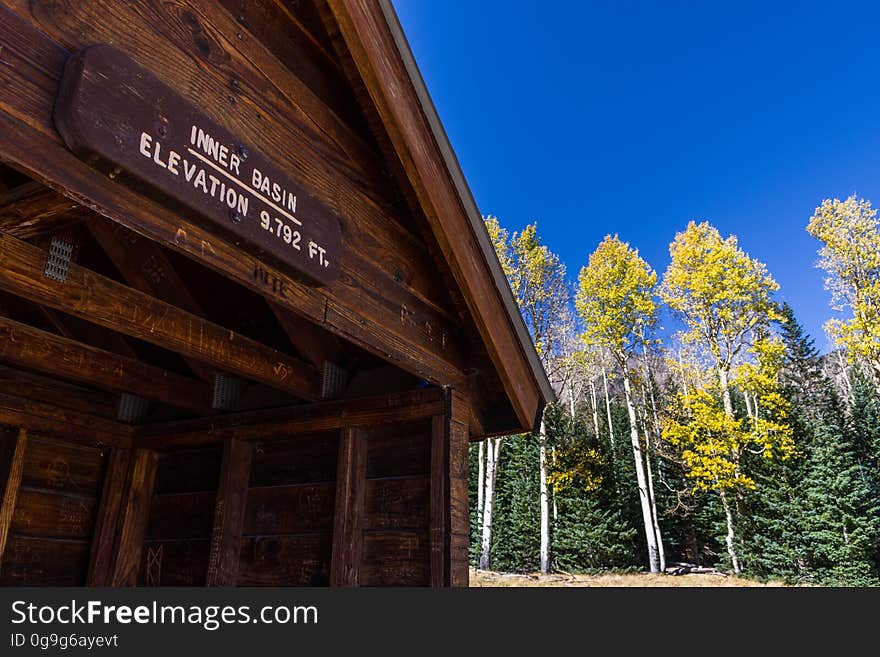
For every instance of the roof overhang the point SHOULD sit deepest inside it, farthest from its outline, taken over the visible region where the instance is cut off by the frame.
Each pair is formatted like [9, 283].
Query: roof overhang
[384, 60]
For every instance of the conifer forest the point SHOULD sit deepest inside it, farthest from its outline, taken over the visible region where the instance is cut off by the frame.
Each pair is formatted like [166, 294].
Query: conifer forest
[696, 422]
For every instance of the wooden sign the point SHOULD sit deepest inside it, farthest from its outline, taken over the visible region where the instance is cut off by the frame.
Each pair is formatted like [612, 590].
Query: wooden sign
[115, 114]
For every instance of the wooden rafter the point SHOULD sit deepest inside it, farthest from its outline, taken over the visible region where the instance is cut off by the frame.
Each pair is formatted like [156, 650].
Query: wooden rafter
[51, 418]
[146, 268]
[313, 343]
[30, 348]
[32, 210]
[286, 422]
[103, 301]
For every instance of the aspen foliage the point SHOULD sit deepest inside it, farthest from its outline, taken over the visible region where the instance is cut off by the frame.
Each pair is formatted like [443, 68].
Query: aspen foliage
[724, 298]
[615, 298]
[850, 255]
[711, 442]
[718, 290]
[769, 411]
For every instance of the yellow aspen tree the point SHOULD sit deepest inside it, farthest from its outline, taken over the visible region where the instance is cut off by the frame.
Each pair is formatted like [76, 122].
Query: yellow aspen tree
[537, 279]
[850, 255]
[615, 300]
[724, 298]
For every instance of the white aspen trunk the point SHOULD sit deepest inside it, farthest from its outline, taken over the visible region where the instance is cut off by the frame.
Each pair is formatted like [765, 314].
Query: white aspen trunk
[545, 510]
[731, 544]
[844, 372]
[649, 470]
[595, 408]
[644, 498]
[481, 477]
[723, 378]
[748, 405]
[684, 384]
[734, 457]
[608, 409]
[657, 430]
[493, 449]
[661, 552]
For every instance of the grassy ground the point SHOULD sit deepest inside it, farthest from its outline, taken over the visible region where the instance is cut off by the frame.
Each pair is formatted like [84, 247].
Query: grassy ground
[480, 578]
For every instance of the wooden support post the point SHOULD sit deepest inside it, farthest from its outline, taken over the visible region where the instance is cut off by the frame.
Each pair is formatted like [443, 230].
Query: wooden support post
[459, 510]
[450, 525]
[439, 518]
[229, 513]
[103, 553]
[11, 467]
[134, 521]
[351, 485]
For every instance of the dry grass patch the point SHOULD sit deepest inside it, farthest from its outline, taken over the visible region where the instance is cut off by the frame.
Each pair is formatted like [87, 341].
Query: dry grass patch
[488, 578]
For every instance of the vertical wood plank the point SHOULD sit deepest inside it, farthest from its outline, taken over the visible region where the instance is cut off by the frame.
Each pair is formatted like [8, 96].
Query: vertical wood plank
[112, 499]
[349, 509]
[450, 525]
[459, 511]
[134, 522]
[439, 518]
[229, 510]
[11, 466]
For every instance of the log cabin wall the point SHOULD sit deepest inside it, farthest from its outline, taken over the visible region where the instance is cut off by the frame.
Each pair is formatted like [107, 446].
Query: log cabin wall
[52, 489]
[177, 540]
[380, 504]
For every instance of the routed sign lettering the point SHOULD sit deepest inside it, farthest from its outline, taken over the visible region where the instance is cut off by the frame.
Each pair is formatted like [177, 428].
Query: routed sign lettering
[114, 113]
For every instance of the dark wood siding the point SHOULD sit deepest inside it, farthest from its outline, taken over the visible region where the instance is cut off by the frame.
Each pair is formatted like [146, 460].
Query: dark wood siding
[178, 537]
[54, 516]
[288, 527]
[397, 506]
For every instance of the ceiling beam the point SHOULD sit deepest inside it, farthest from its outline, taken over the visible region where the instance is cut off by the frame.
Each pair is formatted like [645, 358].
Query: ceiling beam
[31, 210]
[74, 426]
[297, 420]
[103, 301]
[61, 393]
[145, 267]
[30, 348]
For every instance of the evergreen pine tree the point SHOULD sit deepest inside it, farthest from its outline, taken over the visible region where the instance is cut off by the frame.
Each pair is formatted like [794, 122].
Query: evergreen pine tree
[516, 521]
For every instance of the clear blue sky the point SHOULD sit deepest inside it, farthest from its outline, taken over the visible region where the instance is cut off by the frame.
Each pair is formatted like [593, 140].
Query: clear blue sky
[634, 117]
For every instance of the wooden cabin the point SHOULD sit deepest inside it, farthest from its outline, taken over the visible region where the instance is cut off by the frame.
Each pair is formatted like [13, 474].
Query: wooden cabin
[250, 316]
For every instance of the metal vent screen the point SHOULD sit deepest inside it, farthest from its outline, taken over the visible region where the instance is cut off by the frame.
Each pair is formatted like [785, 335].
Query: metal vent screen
[333, 381]
[58, 260]
[227, 390]
[132, 408]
